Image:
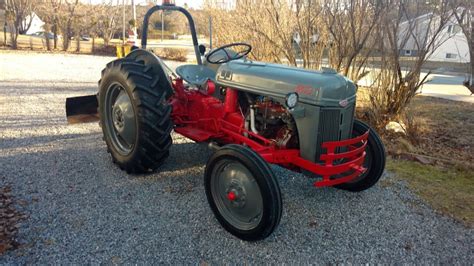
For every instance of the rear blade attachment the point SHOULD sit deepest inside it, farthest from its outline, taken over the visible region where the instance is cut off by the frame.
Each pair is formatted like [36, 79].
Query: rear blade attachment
[82, 109]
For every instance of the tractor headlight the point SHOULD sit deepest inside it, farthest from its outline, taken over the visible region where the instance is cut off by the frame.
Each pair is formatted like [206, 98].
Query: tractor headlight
[291, 100]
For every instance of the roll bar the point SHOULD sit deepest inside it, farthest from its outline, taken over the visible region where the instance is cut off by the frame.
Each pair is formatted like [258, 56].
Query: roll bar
[172, 8]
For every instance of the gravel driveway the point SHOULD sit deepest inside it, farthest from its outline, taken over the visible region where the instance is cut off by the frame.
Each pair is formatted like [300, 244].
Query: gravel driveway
[83, 209]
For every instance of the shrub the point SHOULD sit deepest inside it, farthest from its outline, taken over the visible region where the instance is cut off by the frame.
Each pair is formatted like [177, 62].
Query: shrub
[105, 50]
[176, 54]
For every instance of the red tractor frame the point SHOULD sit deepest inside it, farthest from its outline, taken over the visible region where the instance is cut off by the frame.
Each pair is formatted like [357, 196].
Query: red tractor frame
[202, 117]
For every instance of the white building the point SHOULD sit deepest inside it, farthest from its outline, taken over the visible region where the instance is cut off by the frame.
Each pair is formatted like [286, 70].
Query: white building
[451, 45]
[454, 49]
[36, 23]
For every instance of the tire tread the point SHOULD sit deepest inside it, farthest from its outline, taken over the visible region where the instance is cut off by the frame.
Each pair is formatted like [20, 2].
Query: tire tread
[152, 111]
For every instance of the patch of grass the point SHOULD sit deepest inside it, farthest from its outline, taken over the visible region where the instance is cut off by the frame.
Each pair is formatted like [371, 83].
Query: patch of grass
[176, 54]
[438, 128]
[448, 190]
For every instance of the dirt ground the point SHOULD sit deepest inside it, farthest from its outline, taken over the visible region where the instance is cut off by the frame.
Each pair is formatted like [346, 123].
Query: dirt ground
[446, 129]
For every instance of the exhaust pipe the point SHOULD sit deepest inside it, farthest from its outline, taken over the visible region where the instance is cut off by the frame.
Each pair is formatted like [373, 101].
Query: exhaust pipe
[253, 128]
[82, 109]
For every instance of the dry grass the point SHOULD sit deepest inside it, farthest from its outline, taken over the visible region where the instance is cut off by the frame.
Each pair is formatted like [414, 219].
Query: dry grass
[440, 133]
[176, 54]
[435, 127]
[448, 190]
[446, 129]
[26, 42]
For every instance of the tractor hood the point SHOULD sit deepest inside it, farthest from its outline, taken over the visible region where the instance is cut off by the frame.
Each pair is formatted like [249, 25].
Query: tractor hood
[321, 88]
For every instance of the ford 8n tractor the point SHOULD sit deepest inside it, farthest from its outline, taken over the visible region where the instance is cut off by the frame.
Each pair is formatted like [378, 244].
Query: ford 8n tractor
[251, 113]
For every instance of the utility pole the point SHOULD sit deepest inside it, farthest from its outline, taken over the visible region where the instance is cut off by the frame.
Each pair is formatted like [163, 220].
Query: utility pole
[162, 25]
[134, 26]
[210, 32]
[123, 22]
[5, 33]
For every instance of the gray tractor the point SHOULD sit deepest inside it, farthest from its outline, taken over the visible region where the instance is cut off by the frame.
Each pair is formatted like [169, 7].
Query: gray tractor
[251, 113]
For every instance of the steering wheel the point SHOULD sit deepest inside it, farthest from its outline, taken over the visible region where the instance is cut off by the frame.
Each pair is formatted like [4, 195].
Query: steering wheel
[224, 54]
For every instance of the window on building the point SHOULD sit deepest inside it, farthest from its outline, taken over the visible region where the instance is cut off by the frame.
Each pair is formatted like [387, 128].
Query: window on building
[407, 52]
[450, 28]
[451, 56]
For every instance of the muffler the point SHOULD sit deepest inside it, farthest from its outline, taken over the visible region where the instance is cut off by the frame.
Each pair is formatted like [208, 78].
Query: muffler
[82, 109]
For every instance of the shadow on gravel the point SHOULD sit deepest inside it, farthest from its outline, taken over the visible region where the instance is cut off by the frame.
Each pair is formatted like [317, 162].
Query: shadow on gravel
[35, 89]
[85, 209]
[19, 122]
[38, 140]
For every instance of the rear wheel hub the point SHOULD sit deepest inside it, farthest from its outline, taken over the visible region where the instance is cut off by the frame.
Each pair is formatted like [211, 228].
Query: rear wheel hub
[118, 118]
[121, 121]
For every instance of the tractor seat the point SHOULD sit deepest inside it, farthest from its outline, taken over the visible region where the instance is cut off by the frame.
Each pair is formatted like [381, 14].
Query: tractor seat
[195, 74]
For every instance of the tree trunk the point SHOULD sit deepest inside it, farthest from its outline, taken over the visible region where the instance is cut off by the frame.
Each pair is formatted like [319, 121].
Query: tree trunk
[5, 34]
[67, 36]
[55, 33]
[93, 45]
[471, 53]
[14, 38]
[47, 29]
[471, 78]
[78, 43]
[48, 43]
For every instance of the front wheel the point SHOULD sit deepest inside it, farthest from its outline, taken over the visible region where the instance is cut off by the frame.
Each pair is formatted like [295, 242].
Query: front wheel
[374, 160]
[243, 192]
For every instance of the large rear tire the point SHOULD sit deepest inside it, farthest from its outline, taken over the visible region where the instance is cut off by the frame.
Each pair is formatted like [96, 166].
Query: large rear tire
[374, 160]
[134, 115]
[243, 192]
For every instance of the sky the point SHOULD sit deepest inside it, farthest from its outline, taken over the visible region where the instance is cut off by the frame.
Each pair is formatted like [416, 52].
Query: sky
[191, 3]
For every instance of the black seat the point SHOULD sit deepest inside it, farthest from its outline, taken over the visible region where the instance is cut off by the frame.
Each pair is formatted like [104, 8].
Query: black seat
[196, 74]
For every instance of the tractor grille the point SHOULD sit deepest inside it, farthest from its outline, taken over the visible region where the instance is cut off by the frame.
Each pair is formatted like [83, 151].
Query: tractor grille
[334, 124]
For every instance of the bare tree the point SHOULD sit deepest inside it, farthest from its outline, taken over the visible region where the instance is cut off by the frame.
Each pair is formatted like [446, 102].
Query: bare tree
[464, 13]
[80, 23]
[350, 24]
[47, 10]
[66, 19]
[398, 78]
[92, 23]
[311, 32]
[55, 8]
[302, 30]
[18, 15]
[269, 26]
[274, 22]
[108, 20]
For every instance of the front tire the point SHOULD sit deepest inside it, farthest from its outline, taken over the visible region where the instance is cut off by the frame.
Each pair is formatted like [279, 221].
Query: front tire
[243, 192]
[374, 160]
[134, 115]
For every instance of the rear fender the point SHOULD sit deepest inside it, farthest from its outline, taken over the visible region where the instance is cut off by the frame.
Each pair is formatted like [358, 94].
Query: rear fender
[157, 66]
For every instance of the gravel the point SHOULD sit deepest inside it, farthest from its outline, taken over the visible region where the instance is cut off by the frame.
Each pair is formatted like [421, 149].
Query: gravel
[83, 209]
